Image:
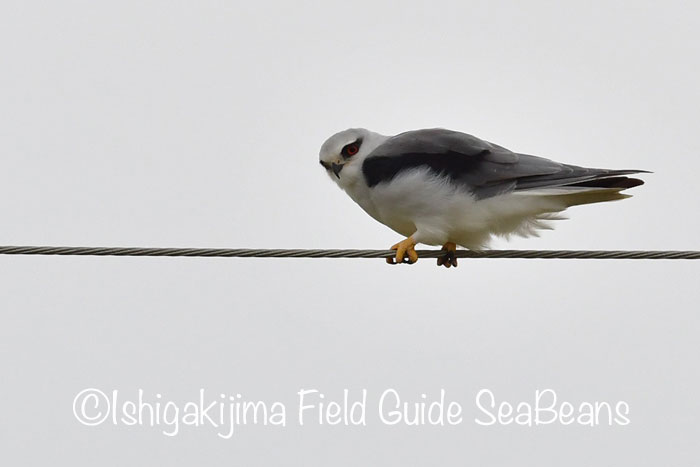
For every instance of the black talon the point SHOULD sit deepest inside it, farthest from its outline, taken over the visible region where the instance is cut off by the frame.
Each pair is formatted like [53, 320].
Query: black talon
[450, 256]
[448, 259]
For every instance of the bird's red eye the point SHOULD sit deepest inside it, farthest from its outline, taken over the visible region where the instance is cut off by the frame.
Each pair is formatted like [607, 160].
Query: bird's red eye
[351, 149]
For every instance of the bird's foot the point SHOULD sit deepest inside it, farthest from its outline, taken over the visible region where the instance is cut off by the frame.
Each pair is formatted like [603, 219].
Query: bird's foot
[448, 259]
[405, 252]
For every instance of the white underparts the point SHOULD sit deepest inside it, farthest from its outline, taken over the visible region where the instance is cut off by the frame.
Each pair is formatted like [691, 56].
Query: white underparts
[436, 211]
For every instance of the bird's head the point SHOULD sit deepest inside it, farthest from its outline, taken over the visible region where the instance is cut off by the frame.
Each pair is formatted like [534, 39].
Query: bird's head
[343, 153]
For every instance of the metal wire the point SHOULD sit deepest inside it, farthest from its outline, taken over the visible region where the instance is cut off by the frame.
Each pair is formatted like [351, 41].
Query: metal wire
[282, 253]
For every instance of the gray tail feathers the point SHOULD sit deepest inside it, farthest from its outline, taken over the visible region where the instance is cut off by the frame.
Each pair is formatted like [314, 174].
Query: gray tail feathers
[619, 183]
[604, 187]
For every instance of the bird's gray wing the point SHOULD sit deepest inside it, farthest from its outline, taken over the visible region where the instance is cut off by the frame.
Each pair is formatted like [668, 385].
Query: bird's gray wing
[483, 168]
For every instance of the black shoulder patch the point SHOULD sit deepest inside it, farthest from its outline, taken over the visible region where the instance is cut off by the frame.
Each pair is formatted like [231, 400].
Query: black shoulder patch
[379, 169]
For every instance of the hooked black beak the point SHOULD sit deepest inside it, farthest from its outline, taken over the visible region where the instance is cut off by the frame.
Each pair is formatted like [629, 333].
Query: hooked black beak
[336, 168]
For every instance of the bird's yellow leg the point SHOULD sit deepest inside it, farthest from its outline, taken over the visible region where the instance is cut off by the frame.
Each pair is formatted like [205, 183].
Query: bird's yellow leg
[448, 259]
[404, 248]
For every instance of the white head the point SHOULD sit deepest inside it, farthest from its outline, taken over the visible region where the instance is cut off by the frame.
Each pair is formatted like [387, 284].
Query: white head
[343, 153]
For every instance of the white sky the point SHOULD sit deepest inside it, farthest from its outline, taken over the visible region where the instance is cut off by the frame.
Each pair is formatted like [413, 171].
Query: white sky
[198, 124]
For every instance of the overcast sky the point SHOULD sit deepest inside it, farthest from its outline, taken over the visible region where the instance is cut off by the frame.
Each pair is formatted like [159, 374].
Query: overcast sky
[198, 124]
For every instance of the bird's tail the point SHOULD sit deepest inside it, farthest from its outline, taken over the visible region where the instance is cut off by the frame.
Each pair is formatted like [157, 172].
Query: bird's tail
[591, 191]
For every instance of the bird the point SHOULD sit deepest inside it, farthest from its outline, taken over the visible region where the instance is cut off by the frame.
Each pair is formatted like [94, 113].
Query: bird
[447, 188]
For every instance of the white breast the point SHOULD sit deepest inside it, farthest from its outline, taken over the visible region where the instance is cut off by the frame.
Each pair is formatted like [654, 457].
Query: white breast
[435, 211]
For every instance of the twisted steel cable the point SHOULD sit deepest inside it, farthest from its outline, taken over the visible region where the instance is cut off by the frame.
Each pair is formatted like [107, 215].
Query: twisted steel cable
[305, 253]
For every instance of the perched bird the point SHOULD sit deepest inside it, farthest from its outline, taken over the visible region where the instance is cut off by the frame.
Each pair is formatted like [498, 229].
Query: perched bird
[443, 187]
